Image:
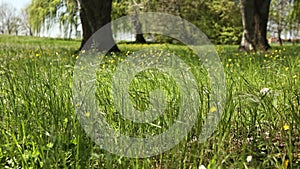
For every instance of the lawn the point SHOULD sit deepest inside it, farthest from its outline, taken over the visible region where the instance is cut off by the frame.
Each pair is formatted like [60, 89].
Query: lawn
[40, 129]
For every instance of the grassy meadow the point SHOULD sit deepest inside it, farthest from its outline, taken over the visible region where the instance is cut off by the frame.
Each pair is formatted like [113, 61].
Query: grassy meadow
[39, 129]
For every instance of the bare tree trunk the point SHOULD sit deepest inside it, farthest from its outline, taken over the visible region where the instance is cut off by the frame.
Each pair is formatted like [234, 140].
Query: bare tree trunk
[30, 32]
[279, 36]
[70, 31]
[255, 14]
[94, 14]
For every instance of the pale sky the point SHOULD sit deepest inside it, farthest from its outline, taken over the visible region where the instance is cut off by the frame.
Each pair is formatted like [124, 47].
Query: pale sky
[18, 4]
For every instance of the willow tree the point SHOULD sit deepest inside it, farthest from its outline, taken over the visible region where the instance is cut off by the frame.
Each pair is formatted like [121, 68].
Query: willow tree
[39, 12]
[255, 14]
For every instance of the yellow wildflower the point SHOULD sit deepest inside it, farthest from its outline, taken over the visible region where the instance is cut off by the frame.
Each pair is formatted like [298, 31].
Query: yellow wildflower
[87, 114]
[212, 109]
[285, 164]
[286, 127]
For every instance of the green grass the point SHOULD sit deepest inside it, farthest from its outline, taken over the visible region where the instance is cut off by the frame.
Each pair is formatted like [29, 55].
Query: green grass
[39, 128]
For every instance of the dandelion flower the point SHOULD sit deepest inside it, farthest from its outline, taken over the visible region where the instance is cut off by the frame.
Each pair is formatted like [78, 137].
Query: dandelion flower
[212, 109]
[286, 127]
[285, 164]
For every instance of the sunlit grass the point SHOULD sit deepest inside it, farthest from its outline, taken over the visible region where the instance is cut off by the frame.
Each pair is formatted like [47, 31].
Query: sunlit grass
[259, 128]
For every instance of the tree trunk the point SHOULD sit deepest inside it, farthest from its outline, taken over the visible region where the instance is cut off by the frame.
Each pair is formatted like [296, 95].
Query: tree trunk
[70, 31]
[139, 38]
[279, 36]
[255, 14]
[30, 32]
[94, 14]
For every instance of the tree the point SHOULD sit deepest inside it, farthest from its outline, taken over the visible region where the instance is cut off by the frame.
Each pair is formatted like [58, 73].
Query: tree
[15, 25]
[139, 38]
[294, 19]
[279, 16]
[122, 8]
[9, 20]
[95, 14]
[226, 21]
[25, 26]
[44, 14]
[255, 14]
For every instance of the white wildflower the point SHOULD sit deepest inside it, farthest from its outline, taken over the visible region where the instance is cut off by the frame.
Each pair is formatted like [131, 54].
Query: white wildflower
[202, 167]
[249, 159]
[264, 91]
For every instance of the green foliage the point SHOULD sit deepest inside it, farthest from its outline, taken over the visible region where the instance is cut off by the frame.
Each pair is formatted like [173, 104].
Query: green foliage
[119, 9]
[226, 25]
[220, 20]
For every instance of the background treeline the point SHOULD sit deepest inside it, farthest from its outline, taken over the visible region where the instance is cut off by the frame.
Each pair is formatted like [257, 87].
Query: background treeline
[220, 20]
